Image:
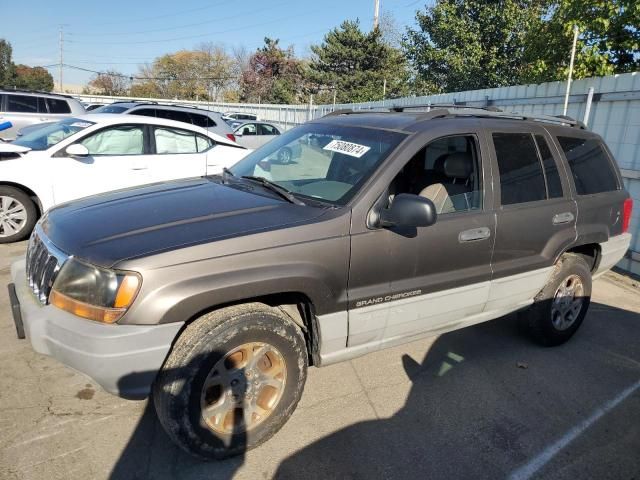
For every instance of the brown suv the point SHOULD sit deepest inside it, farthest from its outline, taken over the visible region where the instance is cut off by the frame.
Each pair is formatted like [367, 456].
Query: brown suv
[216, 293]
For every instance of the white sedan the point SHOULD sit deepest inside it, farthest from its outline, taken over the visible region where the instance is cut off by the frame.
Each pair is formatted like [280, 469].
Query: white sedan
[96, 153]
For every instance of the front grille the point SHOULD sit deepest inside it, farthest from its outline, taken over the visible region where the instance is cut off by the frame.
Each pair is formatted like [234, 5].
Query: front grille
[43, 263]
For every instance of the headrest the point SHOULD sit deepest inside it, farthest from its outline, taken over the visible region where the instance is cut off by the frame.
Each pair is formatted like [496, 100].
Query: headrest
[438, 165]
[458, 165]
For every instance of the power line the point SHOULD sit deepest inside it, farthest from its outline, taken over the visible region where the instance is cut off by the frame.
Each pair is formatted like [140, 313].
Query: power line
[246, 27]
[135, 77]
[179, 27]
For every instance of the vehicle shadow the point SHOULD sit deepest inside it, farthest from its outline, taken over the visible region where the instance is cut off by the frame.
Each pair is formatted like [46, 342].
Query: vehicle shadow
[482, 402]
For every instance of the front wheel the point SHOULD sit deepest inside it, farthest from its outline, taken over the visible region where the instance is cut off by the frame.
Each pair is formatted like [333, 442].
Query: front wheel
[231, 381]
[18, 215]
[285, 155]
[560, 308]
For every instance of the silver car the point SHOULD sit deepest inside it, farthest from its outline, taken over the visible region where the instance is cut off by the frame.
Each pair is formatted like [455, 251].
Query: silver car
[255, 134]
[212, 121]
[23, 108]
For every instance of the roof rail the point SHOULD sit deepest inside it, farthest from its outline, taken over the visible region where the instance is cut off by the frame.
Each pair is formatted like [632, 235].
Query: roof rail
[455, 110]
[41, 92]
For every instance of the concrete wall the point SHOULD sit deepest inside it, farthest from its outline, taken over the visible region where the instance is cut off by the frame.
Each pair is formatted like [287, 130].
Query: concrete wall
[615, 114]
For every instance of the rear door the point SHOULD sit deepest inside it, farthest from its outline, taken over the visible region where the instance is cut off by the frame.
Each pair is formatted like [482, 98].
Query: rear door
[179, 153]
[22, 111]
[536, 215]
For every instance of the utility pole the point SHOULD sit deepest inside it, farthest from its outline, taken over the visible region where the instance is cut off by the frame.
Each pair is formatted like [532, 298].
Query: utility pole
[573, 55]
[61, 58]
[376, 13]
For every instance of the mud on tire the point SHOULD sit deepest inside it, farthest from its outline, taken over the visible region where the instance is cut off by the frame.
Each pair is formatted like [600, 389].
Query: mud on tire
[207, 351]
[553, 318]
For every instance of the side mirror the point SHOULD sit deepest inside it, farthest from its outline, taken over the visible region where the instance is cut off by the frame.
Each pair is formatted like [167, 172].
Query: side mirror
[77, 150]
[409, 210]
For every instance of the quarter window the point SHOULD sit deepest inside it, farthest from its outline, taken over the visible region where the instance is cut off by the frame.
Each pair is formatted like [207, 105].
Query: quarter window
[590, 165]
[120, 140]
[202, 120]
[521, 177]
[58, 106]
[22, 104]
[554, 186]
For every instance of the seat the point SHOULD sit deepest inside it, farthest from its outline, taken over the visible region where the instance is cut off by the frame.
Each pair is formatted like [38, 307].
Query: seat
[451, 195]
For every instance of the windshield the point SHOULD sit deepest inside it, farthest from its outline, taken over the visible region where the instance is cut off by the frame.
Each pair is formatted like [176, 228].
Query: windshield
[51, 134]
[326, 162]
[110, 109]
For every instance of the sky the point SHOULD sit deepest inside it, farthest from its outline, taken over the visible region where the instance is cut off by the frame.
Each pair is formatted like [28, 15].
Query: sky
[122, 34]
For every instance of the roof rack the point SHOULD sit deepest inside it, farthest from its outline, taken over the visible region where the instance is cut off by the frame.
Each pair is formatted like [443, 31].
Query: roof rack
[457, 110]
[26, 90]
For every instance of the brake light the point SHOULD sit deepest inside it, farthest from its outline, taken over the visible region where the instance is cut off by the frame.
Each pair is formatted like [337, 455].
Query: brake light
[626, 214]
[231, 137]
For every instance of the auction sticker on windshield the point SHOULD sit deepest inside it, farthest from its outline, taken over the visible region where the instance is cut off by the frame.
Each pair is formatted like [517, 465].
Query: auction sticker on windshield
[348, 148]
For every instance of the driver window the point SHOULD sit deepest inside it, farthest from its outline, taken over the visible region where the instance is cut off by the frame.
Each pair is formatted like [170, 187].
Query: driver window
[446, 171]
[120, 140]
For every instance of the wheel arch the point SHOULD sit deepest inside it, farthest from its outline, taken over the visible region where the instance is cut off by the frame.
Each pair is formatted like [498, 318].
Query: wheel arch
[590, 252]
[33, 195]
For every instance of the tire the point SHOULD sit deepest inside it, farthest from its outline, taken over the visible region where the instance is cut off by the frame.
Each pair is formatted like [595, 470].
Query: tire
[217, 343]
[18, 214]
[557, 313]
[285, 155]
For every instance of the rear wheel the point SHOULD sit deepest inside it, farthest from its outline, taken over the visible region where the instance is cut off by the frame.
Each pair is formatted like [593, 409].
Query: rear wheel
[231, 381]
[560, 308]
[18, 214]
[285, 155]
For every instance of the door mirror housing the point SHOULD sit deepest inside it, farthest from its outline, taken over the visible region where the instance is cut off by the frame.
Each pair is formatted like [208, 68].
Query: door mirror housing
[408, 210]
[77, 150]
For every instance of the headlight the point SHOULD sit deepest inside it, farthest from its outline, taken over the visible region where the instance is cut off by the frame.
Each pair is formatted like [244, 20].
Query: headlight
[93, 292]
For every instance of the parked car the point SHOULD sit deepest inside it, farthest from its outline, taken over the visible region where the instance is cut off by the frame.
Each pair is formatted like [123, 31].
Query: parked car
[92, 106]
[89, 154]
[26, 107]
[195, 116]
[255, 134]
[218, 293]
[243, 116]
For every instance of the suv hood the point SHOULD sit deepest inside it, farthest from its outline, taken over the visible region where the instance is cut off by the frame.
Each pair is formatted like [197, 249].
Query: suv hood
[109, 228]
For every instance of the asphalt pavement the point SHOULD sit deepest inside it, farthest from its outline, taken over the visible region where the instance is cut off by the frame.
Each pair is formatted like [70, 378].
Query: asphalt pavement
[482, 402]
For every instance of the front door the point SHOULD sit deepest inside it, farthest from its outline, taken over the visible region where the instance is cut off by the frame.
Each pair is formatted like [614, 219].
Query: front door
[116, 160]
[407, 282]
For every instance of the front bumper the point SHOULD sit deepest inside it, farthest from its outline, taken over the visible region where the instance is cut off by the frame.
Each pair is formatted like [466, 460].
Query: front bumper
[123, 359]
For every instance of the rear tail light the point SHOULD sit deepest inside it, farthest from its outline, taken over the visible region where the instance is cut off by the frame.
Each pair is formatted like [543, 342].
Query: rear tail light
[231, 137]
[626, 214]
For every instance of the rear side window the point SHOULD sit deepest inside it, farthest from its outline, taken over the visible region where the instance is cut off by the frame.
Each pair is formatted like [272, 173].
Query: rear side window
[590, 165]
[554, 186]
[521, 177]
[266, 129]
[176, 141]
[202, 120]
[174, 115]
[22, 104]
[57, 106]
[147, 112]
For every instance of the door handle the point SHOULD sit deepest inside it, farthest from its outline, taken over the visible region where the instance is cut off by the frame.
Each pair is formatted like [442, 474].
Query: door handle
[138, 168]
[560, 218]
[474, 234]
[43, 119]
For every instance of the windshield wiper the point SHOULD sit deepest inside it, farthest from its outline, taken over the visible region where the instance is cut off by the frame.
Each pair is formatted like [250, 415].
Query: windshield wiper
[226, 172]
[274, 187]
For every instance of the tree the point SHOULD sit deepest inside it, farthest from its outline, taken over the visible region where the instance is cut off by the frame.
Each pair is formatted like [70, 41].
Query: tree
[356, 65]
[273, 75]
[110, 83]
[7, 68]
[609, 40]
[33, 78]
[219, 69]
[471, 44]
